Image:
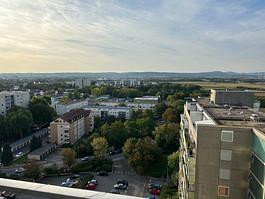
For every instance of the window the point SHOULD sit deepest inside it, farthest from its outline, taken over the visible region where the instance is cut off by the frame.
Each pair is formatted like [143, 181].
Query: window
[227, 136]
[224, 174]
[223, 191]
[226, 155]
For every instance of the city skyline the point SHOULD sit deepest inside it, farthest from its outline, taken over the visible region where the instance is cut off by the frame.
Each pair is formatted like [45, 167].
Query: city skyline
[123, 35]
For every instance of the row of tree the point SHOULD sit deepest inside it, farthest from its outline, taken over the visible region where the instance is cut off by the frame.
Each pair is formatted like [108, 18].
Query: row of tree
[19, 121]
[163, 90]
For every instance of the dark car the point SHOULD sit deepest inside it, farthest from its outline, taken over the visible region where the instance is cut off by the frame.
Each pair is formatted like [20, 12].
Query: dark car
[102, 173]
[8, 195]
[120, 186]
[124, 182]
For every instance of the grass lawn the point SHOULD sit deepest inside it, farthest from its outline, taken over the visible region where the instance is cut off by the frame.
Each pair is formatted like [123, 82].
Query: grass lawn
[21, 160]
[159, 169]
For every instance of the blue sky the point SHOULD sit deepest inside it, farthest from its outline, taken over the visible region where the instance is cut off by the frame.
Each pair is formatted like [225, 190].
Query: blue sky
[132, 35]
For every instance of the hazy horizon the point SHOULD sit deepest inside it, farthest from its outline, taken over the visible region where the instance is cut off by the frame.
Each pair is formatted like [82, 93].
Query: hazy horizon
[132, 36]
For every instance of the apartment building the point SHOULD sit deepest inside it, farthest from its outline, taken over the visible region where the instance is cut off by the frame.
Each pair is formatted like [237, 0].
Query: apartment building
[104, 111]
[62, 108]
[222, 151]
[8, 99]
[81, 83]
[71, 126]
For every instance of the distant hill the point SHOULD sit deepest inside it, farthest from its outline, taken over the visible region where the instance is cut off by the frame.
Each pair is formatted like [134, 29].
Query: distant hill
[134, 75]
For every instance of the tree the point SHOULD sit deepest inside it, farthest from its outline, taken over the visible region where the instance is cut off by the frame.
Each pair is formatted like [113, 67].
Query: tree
[115, 134]
[41, 111]
[7, 155]
[141, 153]
[19, 121]
[160, 108]
[96, 92]
[167, 137]
[32, 170]
[83, 148]
[68, 157]
[173, 162]
[131, 128]
[35, 143]
[3, 129]
[145, 126]
[100, 147]
[170, 115]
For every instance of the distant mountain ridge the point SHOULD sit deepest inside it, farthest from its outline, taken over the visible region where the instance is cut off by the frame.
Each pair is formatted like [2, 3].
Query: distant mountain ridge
[134, 75]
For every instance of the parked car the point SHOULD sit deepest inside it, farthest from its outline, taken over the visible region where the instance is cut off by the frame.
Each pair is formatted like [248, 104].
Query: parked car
[19, 170]
[154, 191]
[84, 159]
[115, 152]
[154, 185]
[124, 182]
[115, 191]
[102, 173]
[94, 181]
[75, 176]
[72, 181]
[91, 186]
[120, 186]
[67, 184]
[19, 154]
[8, 195]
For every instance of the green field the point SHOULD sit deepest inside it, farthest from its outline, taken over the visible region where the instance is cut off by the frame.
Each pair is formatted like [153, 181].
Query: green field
[227, 85]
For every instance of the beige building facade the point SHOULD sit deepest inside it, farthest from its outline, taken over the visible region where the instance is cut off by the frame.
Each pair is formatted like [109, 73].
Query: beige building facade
[71, 126]
[222, 152]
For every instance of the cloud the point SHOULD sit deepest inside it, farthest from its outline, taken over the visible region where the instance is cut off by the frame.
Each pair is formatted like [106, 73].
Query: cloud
[125, 35]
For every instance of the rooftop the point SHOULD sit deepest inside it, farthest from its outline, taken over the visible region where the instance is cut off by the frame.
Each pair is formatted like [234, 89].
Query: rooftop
[233, 115]
[43, 149]
[109, 107]
[75, 114]
[28, 138]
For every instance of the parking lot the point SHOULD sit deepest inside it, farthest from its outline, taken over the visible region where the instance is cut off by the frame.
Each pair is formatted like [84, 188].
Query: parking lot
[121, 171]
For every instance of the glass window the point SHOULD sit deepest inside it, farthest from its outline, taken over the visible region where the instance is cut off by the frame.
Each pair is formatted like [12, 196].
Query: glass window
[257, 167]
[223, 191]
[227, 136]
[255, 188]
[226, 155]
[224, 174]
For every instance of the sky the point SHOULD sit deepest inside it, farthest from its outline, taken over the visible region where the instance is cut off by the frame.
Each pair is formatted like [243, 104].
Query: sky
[132, 35]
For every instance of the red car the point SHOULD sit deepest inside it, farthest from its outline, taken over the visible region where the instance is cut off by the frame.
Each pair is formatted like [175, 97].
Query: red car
[154, 191]
[91, 186]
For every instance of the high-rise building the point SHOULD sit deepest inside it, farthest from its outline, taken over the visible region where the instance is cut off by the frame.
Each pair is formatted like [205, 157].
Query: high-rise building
[81, 83]
[222, 151]
[8, 99]
[71, 126]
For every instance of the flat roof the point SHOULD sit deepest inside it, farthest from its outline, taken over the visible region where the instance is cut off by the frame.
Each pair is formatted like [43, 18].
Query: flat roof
[108, 107]
[233, 115]
[42, 149]
[58, 190]
[26, 139]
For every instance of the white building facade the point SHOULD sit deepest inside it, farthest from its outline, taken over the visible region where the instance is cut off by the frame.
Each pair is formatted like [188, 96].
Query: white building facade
[103, 111]
[8, 99]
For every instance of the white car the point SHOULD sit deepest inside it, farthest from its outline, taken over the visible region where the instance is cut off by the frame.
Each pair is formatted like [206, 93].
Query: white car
[19, 154]
[71, 181]
[67, 184]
